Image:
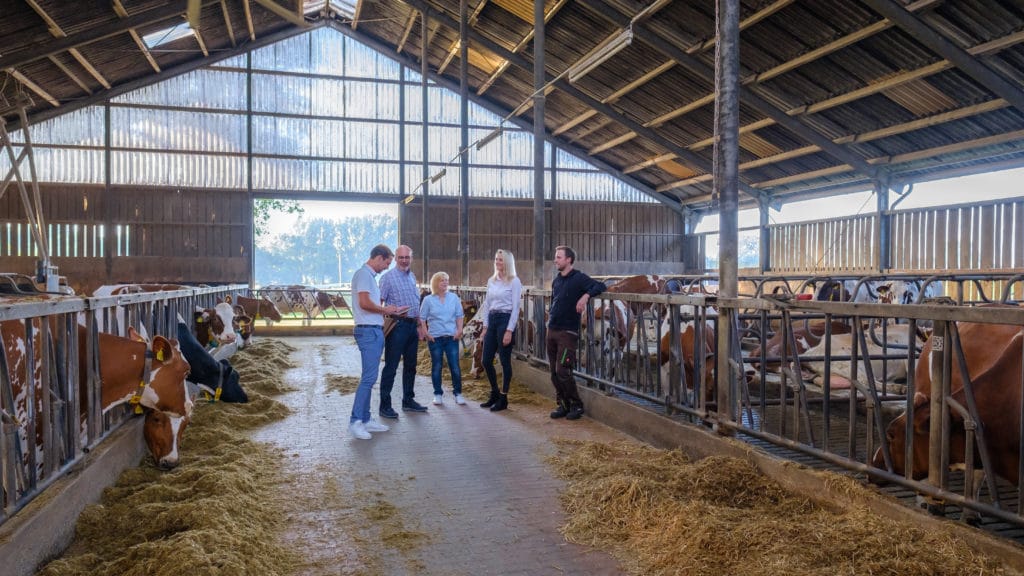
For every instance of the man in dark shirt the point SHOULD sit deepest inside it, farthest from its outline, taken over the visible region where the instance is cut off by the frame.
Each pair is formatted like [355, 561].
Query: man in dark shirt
[570, 292]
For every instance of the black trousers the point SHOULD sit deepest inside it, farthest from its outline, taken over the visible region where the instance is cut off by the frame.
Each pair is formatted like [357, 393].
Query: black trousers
[497, 323]
[561, 346]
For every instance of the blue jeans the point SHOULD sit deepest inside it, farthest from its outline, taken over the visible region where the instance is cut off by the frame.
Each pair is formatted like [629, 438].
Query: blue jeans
[371, 343]
[449, 347]
[401, 346]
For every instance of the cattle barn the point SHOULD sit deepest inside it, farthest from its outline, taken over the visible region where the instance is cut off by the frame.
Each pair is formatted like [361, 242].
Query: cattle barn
[143, 142]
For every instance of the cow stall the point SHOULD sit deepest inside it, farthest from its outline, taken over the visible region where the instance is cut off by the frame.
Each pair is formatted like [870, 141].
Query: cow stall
[831, 404]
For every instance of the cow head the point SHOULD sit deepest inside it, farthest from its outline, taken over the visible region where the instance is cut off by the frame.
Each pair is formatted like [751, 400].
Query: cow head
[896, 437]
[166, 399]
[215, 325]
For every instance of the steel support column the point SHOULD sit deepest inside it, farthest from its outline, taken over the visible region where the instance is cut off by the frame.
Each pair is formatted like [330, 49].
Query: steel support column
[883, 234]
[726, 185]
[464, 137]
[424, 118]
[538, 143]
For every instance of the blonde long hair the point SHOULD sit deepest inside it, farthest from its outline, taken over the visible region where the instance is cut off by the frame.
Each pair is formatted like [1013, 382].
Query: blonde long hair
[510, 265]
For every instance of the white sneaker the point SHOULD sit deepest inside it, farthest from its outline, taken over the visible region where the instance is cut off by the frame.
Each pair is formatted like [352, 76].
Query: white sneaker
[460, 400]
[437, 399]
[375, 426]
[358, 429]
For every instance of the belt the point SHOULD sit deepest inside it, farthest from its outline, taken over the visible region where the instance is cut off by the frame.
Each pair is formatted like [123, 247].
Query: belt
[406, 319]
[505, 312]
[369, 326]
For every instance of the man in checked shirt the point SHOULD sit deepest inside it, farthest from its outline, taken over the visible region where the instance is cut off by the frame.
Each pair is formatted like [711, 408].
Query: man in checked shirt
[398, 288]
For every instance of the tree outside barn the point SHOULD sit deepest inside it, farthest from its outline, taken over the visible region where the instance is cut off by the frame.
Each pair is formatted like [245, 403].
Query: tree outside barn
[315, 251]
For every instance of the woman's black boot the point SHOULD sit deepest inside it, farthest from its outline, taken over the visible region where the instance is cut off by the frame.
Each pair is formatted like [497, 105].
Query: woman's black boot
[501, 403]
[490, 401]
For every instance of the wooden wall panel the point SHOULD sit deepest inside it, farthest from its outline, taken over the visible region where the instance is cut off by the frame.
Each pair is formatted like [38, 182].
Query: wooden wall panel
[173, 235]
[611, 239]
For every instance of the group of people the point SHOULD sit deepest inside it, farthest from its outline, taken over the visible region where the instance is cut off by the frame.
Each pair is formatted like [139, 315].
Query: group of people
[439, 320]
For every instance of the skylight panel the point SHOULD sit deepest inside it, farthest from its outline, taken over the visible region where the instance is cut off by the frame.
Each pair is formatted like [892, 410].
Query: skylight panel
[167, 35]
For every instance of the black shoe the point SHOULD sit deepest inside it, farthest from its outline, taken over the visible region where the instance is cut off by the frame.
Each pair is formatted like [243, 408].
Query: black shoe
[413, 406]
[388, 412]
[561, 412]
[575, 412]
[490, 401]
[500, 404]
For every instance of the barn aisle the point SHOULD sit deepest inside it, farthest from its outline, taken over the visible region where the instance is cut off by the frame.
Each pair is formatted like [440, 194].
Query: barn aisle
[456, 491]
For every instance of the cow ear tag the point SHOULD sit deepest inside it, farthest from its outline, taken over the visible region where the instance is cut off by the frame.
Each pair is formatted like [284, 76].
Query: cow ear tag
[160, 354]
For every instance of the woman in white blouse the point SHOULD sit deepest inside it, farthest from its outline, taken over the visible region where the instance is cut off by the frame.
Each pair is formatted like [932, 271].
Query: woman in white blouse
[500, 312]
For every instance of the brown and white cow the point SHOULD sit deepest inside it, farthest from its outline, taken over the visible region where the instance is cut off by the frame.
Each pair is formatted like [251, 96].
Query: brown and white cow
[687, 355]
[217, 329]
[897, 338]
[993, 356]
[122, 368]
[255, 308]
[806, 335]
[298, 299]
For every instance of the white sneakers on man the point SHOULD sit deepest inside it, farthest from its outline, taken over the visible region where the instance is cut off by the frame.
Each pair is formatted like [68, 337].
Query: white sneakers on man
[437, 399]
[358, 429]
[374, 426]
[460, 400]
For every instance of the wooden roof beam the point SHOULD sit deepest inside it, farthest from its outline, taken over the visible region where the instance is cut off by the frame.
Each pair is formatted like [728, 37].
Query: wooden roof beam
[202, 43]
[285, 14]
[452, 51]
[698, 67]
[172, 9]
[122, 13]
[615, 96]
[962, 59]
[227, 22]
[357, 14]
[559, 4]
[744, 24]
[35, 88]
[248, 20]
[57, 32]
[894, 130]
[70, 74]
[407, 31]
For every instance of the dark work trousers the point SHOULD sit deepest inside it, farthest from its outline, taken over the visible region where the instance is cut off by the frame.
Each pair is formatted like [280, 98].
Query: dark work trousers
[497, 323]
[561, 359]
[400, 345]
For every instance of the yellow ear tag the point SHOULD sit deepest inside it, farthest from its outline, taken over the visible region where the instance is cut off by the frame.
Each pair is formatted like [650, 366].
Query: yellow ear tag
[199, 320]
[160, 355]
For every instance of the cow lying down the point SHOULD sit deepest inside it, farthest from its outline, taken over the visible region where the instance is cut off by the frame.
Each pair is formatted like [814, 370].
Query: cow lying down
[216, 378]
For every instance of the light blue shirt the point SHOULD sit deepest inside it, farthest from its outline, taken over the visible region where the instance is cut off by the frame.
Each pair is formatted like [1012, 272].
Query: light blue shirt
[441, 317]
[365, 280]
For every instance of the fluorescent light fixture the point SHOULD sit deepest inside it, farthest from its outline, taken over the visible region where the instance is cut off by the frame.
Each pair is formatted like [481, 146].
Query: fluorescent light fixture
[439, 175]
[166, 35]
[599, 55]
[489, 138]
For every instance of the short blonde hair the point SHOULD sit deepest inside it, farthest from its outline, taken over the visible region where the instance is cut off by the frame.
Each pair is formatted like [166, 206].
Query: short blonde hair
[510, 264]
[435, 281]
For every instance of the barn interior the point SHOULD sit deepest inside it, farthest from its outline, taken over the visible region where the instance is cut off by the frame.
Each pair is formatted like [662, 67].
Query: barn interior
[139, 136]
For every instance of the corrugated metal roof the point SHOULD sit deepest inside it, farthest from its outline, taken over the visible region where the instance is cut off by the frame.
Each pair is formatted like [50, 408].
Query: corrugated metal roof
[828, 70]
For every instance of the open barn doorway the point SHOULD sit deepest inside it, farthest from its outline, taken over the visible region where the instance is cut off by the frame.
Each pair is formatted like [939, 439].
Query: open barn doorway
[318, 243]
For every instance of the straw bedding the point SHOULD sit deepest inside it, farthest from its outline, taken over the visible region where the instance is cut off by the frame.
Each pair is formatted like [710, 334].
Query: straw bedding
[660, 514]
[218, 513]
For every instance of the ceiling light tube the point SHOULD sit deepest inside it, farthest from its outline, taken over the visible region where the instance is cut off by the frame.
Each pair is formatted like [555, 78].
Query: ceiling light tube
[438, 176]
[489, 138]
[599, 55]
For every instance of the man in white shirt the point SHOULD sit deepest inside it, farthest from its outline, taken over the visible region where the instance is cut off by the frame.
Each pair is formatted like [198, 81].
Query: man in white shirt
[369, 333]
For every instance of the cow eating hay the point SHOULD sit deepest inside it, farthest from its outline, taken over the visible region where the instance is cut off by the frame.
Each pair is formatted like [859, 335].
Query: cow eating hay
[660, 514]
[186, 521]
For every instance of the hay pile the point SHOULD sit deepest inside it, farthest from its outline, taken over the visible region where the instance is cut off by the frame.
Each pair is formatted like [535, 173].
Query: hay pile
[261, 366]
[660, 514]
[220, 512]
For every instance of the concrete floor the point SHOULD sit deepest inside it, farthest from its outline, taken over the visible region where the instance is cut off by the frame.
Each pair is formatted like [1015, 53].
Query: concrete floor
[455, 491]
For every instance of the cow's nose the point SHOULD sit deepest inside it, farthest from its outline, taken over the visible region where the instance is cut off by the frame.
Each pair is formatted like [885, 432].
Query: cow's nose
[167, 463]
[227, 337]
